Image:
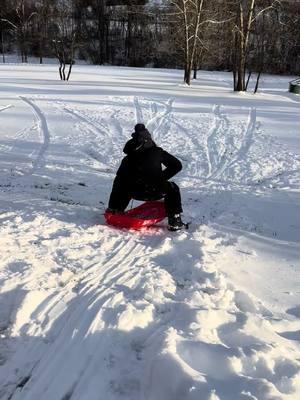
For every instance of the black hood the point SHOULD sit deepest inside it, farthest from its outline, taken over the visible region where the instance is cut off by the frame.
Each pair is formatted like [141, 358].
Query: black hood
[141, 136]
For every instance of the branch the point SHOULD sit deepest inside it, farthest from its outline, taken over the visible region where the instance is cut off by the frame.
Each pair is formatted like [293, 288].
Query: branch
[271, 7]
[203, 46]
[10, 23]
[30, 16]
[177, 6]
[212, 21]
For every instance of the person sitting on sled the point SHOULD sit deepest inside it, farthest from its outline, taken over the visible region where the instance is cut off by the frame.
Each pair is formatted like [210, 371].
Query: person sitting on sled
[141, 176]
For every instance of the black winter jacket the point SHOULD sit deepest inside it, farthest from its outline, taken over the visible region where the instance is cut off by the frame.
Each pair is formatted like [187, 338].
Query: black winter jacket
[143, 166]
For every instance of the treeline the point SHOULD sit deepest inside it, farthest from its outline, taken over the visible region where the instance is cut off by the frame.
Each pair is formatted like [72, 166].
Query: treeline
[242, 36]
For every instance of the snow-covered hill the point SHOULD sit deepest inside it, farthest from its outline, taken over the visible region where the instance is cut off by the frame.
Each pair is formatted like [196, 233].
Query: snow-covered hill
[88, 312]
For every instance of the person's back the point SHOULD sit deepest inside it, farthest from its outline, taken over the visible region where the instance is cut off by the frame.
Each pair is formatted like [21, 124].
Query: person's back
[141, 176]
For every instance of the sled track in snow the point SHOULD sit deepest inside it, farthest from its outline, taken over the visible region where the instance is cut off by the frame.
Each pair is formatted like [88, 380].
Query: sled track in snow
[247, 140]
[89, 296]
[116, 124]
[44, 131]
[138, 110]
[6, 107]
[100, 131]
[158, 123]
[221, 150]
[80, 329]
[194, 149]
[103, 132]
[219, 122]
[22, 133]
[107, 279]
[116, 129]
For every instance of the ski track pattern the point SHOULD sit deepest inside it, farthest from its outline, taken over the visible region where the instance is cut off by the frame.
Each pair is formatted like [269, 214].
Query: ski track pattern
[210, 141]
[159, 124]
[138, 110]
[98, 300]
[109, 304]
[94, 288]
[223, 152]
[247, 140]
[103, 134]
[166, 130]
[231, 154]
[158, 121]
[44, 133]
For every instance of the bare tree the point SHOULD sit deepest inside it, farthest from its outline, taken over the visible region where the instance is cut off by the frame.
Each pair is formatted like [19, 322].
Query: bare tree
[238, 35]
[20, 21]
[188, 16]
[245, 12]
[44, 9]
[191, 19]
[65, 40]
[101, 30]
[288, 37]
[2, 42]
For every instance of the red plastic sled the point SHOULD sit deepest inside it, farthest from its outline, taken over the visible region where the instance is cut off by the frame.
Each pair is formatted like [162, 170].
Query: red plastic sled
[146, 214]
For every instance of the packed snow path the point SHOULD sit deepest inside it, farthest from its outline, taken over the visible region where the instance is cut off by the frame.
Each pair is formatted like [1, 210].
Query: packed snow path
[88, 312]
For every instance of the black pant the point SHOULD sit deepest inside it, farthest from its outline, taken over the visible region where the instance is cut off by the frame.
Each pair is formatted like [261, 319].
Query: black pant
[122, 193]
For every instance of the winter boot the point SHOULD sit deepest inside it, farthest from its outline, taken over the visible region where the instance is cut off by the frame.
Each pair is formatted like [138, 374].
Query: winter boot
[175, 223]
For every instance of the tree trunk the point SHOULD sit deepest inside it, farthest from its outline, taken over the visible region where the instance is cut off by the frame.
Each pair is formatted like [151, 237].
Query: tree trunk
[128, 40]
[240, 77]
[41, 46]
[107, 57]
[195, 71]
[196, 31]
[234, 79]
[70, 70]
[60, 70]
[248, 80]
[240, 52]
[187, 74]
[257, 82]
[243, 39]
[101, 32]
[63, 71]
[2, 47]
[71, 57]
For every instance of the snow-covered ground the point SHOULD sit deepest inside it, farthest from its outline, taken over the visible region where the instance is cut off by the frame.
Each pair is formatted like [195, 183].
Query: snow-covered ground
[89, 312]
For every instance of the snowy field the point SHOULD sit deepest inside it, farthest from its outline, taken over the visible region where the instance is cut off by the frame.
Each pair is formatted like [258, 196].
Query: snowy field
[89, 312]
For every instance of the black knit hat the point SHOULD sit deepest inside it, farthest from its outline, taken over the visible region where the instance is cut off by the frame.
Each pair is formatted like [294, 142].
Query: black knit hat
[139, 128]
[142, 136]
